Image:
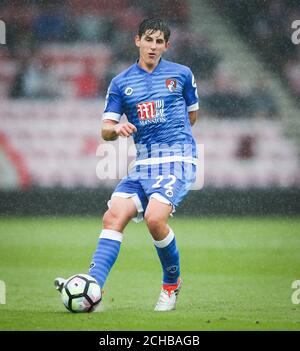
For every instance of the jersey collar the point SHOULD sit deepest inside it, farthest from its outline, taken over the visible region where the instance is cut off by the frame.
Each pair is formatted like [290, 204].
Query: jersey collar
[156, 69]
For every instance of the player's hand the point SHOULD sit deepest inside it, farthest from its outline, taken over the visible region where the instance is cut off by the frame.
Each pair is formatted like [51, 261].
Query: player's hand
[125, 129]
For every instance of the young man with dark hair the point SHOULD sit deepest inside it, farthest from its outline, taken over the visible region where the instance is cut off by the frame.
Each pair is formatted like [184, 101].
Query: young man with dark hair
[160, 101]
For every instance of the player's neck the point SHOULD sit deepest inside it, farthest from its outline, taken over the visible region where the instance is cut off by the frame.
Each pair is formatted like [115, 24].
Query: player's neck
[147, 67]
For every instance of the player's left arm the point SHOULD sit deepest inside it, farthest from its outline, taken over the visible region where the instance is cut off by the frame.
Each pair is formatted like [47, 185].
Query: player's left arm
[190, 95]
[193, 116]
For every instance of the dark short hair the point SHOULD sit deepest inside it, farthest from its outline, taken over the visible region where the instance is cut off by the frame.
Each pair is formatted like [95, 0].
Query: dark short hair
[154, 24]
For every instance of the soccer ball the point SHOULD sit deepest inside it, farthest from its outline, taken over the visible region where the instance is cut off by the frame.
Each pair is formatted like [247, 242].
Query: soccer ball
[81, 293]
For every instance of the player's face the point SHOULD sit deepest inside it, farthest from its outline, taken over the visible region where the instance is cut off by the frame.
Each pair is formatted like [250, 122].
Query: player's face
[152, 45]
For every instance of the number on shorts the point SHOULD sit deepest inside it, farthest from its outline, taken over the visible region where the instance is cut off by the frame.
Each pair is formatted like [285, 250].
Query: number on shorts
[167, 185]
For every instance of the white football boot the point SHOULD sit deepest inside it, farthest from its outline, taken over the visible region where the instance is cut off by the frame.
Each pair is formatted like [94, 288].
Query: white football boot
[59, 283]
[168, 297]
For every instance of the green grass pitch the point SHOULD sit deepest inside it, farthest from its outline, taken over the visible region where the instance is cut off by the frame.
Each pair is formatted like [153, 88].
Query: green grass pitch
[237, 275]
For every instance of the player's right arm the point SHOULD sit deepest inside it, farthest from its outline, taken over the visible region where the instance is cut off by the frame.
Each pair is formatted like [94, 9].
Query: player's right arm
[111, 130]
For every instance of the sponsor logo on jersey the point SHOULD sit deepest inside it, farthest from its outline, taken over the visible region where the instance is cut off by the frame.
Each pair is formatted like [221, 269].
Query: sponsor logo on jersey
[146, 110]
[151, 111]
[128, 91]
[171, 84]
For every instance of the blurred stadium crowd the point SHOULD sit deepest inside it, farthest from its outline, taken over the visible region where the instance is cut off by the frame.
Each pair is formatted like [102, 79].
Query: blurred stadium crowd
[61, 55]
[42, 60]
[267, 26]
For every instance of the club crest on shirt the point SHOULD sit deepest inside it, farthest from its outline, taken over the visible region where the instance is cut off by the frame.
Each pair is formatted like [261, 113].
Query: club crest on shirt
[171, 84]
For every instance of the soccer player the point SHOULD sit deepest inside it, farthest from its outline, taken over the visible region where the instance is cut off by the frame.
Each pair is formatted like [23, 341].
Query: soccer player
[160, 101]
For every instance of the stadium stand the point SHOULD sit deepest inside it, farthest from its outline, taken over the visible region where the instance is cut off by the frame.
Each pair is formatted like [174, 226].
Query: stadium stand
[54, 75]
[58, 147]
[267, 25]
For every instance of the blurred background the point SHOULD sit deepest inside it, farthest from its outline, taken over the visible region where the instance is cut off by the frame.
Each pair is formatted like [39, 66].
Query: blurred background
[55, 69]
